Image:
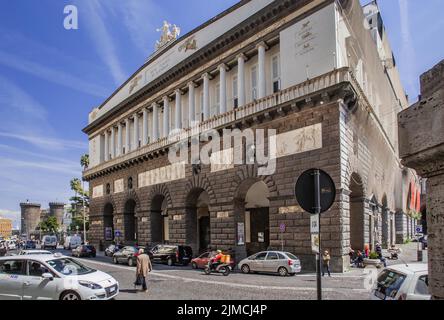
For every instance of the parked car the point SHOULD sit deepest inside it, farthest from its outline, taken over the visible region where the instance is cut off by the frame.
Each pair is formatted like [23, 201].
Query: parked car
[84, 251]
[171, 254]
[202, 261]
[283, 263]
[11, 245]
[54, 277]
[113, 248]
[49, 242]
[33, 252]
[29, 245]
[72, 242]
[402, 282]
[127, 255]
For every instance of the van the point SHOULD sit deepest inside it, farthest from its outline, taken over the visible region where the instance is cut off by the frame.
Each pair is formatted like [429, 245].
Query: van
[72, 242]
[49, 242]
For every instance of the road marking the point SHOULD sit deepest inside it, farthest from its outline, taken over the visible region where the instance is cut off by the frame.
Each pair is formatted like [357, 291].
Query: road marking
[237, 285]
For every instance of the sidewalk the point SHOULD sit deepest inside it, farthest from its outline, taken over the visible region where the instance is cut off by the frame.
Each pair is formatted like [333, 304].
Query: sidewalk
[408, 254]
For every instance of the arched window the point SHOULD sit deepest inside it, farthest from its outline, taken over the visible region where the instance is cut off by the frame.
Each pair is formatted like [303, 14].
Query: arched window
[130, 183]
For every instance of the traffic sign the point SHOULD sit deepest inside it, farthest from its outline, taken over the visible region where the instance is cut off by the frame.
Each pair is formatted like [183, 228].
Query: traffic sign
[418, 229]
[314, 223]
[315, 243]
[306, 191]
[282, 227]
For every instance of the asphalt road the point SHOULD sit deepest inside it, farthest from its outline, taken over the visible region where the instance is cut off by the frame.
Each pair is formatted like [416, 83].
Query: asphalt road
[184, 283]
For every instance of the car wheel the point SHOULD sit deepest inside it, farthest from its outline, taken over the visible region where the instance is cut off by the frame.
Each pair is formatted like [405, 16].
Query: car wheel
[170, 262]
[115, 260]
[194, 265]
[70, 295]
[245, 269]
[283, 272]
[94, 255]
[130, 262]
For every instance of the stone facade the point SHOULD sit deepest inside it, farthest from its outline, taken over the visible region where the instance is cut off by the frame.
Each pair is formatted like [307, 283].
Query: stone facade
[5, 227]
[137, 197]
[421, 131]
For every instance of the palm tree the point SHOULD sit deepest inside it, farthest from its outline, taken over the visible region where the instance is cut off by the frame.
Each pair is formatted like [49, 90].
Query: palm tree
[84, 161]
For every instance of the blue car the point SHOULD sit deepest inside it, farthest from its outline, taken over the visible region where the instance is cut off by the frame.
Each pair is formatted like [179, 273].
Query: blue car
[30, 245]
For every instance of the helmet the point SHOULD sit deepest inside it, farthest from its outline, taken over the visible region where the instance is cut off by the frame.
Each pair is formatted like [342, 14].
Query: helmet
[219, 251]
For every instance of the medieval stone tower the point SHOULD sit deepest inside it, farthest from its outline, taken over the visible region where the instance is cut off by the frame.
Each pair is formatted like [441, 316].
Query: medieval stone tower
[30, 217]
[57, 209]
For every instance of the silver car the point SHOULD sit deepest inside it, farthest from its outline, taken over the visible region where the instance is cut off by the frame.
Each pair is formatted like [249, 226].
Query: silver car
[283, 263]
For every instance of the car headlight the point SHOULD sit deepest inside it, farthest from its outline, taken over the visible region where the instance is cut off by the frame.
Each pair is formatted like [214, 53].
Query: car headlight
[90, 285]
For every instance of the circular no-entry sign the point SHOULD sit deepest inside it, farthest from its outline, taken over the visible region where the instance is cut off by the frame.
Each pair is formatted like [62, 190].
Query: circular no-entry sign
[305, 191]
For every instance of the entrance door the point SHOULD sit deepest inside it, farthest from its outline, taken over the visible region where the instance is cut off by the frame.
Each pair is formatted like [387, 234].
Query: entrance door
[204, 233]
[259, 230]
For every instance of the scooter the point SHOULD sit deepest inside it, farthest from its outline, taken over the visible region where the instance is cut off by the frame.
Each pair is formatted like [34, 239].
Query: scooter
[223, 268]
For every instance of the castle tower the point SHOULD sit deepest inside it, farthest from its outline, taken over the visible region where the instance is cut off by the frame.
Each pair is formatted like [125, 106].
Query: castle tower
[30, 217]
[57, 209]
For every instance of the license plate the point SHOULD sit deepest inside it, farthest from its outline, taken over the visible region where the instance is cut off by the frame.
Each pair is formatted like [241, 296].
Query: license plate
[112, 289]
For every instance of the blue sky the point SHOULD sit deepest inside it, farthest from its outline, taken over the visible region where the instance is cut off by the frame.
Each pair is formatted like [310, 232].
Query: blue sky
[50, 78]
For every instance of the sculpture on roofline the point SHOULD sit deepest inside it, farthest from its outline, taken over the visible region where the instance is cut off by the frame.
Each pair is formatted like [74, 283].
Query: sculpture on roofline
[167, 35]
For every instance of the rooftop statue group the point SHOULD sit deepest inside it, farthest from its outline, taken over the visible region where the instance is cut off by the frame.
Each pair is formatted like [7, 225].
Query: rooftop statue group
[167, 34]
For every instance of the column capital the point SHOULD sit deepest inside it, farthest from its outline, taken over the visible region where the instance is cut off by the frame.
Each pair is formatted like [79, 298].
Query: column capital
[223, 66]
[178, 91]
[166, 98]
[206, 75]
[192, 84]
[241, 56]
[262, 44]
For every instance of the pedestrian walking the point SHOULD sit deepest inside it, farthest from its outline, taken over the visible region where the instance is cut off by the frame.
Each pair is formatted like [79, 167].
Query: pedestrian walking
[326, 263]
[143, 268]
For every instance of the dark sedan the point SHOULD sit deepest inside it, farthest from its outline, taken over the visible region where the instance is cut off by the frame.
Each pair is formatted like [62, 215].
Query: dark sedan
[84, 251]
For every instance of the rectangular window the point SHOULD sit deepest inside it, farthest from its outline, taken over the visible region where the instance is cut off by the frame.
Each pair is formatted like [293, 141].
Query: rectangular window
[235, 93]
[276, 74]
[254, 82]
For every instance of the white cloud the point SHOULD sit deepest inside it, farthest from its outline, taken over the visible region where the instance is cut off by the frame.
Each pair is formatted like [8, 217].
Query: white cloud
[55, 76]
[102, 39]
[46, 142]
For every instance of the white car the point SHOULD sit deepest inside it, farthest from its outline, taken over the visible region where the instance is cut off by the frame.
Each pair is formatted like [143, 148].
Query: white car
[53, 277]
[49, 242]
[11, 245]
[28, 252]
[402, 282]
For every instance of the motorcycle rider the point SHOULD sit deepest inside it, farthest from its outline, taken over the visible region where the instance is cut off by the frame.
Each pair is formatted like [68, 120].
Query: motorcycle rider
[216, 260]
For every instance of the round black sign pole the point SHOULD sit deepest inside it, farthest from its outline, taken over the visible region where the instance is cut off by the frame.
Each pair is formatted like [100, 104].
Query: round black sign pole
[315, 192]
[317, 210]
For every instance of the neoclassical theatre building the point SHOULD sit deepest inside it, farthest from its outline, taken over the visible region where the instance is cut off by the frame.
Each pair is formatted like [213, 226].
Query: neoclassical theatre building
[321, 73]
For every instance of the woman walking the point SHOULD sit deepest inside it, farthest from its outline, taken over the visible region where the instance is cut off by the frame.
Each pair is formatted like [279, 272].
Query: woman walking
[326, 263]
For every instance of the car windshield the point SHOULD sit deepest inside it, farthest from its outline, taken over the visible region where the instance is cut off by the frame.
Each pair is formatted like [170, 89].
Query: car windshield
[67, 266]
[389, 282]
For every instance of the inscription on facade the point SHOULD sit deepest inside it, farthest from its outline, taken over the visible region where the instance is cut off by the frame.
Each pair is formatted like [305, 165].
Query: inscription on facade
[173, 172]
[118, 186]
[97, 191]
[222, 160]
[290, 209]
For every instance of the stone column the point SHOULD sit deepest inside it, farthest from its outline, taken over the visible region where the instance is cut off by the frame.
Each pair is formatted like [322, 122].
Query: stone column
[241, 79]
[166, 116]
[145, 127]
[106, 145]
[136, 132]
[191, 102]
[223, 89]
[155, 122]
[206, 95]
[113, 143]
[421, 147]
[178, 111]
[261, 47]
[127, 136]
[119, 139]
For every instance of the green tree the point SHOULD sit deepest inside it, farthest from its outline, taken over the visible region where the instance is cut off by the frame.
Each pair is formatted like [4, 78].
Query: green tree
[84, 161]
[49, 225]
